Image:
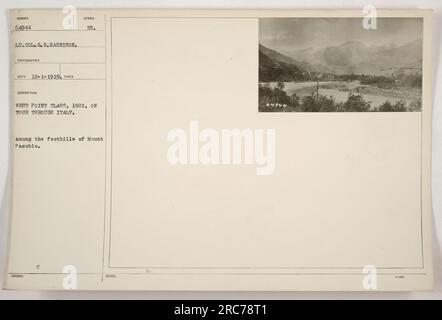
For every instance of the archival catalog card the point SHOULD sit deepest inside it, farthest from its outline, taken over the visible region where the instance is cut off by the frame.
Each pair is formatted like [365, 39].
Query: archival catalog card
[220, 150]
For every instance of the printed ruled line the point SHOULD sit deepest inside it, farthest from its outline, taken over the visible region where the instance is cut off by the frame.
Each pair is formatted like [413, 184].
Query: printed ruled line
[223, 273]
[101, 79]
[36, 62]
[59, 30]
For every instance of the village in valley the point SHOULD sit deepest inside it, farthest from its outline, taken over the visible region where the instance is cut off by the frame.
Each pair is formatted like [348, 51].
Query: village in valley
[351, 76]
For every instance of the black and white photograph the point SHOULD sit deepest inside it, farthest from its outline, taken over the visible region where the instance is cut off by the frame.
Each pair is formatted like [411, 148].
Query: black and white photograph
[340, 65]
[216, 159]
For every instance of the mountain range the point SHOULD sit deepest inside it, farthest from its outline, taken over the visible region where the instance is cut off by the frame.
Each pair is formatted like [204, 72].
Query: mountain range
[347, 58]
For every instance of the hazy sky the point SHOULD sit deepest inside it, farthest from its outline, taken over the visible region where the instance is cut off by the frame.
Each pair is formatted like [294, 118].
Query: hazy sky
[289, 34]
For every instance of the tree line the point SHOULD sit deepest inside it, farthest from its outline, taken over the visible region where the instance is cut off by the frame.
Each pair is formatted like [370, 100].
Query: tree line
[277, 100]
